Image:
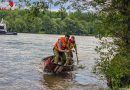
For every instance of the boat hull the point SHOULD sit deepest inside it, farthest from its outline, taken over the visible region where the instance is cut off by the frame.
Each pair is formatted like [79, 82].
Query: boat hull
[8, 33]
[48, 65]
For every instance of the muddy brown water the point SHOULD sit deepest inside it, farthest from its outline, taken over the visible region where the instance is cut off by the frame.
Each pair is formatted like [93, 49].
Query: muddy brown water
[20, 56]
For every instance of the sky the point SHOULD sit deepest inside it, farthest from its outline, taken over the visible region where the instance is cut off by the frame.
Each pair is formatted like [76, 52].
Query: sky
[5, 4]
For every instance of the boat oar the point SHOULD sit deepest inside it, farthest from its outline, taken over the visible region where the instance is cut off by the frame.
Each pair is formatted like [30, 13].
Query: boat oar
[77, 58]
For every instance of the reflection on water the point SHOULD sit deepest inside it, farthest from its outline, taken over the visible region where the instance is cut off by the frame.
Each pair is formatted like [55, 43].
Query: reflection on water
[57, 82]
[21, 55]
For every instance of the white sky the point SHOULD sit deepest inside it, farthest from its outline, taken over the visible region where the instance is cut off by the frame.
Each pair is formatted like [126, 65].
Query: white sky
[6, 4]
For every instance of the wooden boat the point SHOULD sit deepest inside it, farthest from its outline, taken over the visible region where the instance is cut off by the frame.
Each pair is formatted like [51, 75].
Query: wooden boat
[48, 66]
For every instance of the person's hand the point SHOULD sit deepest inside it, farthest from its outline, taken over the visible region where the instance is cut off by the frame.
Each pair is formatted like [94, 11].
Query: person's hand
[73, 50]
[66, 51]
[76, 52]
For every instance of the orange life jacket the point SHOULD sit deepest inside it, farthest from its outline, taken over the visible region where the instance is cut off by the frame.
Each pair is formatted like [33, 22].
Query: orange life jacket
[64, 43]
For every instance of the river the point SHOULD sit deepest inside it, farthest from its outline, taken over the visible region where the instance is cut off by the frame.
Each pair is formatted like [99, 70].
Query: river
[21, 54]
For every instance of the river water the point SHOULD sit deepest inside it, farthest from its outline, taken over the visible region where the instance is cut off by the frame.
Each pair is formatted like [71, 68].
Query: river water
[20, 56]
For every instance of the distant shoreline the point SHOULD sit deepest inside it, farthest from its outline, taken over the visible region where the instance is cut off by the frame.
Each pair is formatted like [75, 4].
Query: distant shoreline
[55, 34]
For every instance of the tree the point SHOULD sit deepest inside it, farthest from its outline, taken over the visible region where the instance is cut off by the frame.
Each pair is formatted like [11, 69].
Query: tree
[72, 27]
[115, 63]
[62, 13]
[39, 7]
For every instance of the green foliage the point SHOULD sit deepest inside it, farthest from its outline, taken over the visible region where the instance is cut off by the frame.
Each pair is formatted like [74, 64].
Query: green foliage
[112, 64]
[72, 27]
[113, 21]
[47, 25]
[51, 22]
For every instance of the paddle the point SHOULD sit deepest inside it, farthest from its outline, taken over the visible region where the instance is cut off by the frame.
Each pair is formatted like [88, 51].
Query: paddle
[77, 57]
[75, 46]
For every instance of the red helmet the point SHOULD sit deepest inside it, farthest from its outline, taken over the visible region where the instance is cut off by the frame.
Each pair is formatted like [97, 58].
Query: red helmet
[72, 39]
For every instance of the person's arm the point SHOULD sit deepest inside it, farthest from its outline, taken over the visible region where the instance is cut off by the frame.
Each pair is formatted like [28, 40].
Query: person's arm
[60, 46]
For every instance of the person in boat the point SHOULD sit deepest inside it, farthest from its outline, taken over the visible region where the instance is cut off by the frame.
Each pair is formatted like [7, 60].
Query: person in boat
[60, 48]
[71, 47]
[72, 44]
